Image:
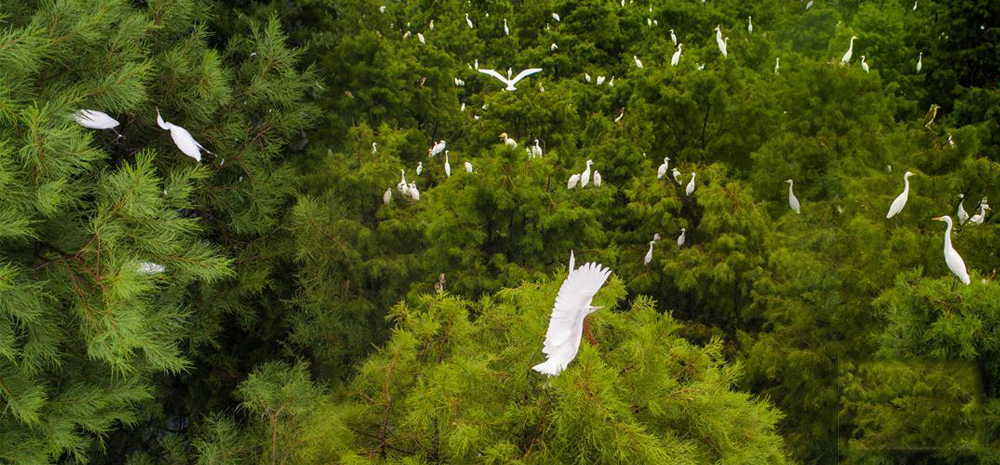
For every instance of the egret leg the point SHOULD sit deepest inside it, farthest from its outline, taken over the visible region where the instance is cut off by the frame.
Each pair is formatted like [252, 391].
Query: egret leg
[588, 333]
[954, 282]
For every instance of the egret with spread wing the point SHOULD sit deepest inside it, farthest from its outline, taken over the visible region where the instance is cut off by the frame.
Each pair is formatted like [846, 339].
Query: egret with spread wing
[507, 80]
[562, 340]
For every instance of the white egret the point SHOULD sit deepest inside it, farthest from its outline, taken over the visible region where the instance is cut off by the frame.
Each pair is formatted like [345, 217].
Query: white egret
[920, 61]
[437, 148]
[381, 9]
[506, 31]
[387, 197]
[406, 35]
[809, 5]
[600, 80]
[463, 106]
[621, 115]
[721, 42]
[536, 150]
[637, 62]
[585, 176]
[677, 176]
[509, 141]
[850, 52]
[914, 6]
[150, 268]
[586, 77]
[562, 340]
[573, 180]
[374, 147]
[690, 187]
[431, 25]
[510, 82]
[447, 165]
[931, 114]
[864, 65]
[182, 138]
[951, 257]
[749, 25]
[555, 16]
[420, 167]
[597, 178]
[674, 60]
[611, 83]
[777, 64]
[468, 167]
[662, 170]
[572, 261]
[554, 47]
[475, 64]
[420, 37]
[402, 182]
[978, 218]
[468, 21]
[900, 202]
[414, 193]
[951, 142]
[792, 200]
[680, 239]
[649, 255]
[673, 37]
[459, 82]
[962, 215]
[93, 119]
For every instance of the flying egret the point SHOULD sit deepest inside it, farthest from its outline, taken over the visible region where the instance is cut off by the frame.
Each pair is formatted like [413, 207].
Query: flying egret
[920, 61]
[573, 180]
[674, 60]
[690, 187]
[649, 255]
[931, 114]
[662, 170]
[673, 37]
[468, 167]
[506, 31]
[680, 239]
[420, 167]
[978, 218]
[468, 21]
[510, 142]
[749, 25]
[447, 166]
[585, 176]
[864, 65]
[555, 16]
[962, 215]
[951, 257]
[536, 150]
[600, 80]
[850, 52]
[597, 178]
[414, 193]
[900, 202]
[510, 82]
[93, 119]
[637, 62]
[182, 138]
[437, 148]
[387, 197]
[150, 268]
[792, 200]
[562, 340]
[777, 64]
[677, 176]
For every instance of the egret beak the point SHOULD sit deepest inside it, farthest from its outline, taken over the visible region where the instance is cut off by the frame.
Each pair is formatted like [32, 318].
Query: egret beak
[940, 218]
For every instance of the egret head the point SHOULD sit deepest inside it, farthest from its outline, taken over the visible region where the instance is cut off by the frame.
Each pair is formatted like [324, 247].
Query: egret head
[961, 196]
[907, 174]
[789, 181]
[862, 58]
[682, 230]
[854, 38]
[503, 136]
[671, 31]
[589, 162]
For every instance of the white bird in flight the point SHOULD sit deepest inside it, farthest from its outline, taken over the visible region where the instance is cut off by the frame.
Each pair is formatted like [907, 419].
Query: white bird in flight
[680, 239]
[690, 187]
[585, 176]
[510, 82]
[562, 340]
[850, 52]
[792, 200]
[674, 60]
[951, 257]
[900, 202]
[182, 138]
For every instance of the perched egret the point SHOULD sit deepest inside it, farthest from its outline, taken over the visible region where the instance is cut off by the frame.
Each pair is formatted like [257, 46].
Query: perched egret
[585, 176]
[649, 255]
[749, 25]
[387, 197]
[150, 268]
[554, 47]
[978, 218]
[414, 193]
[510, 82]
[182, 138]
[447, 165]
[562, 340]
[637, 62]
[381, 9]
[900, 202]
[459, 82]
[597, 178]
[864, 65]
[809, 5]
[536, 150]
[420, 167]
[674, 60]
[510, 142]
[573, 180]
[431, 25]
[437, 148]
[621, 115]
[850, 52]
[951, 257]
[690, 187]
[611, 83]
[506, 31]
[600, 80]
[468, 167]
[680, 239]
[931, 114]
[555, 16]
[721, 42]
[677, 176]
[962, 215]
[777, 64]
[673, 37]
[468, 21]
[374, 147]
[920, 61]
[402, 181]
[951, 142]
[406, 35]
[463, 106]
[586, 77]
[662, 170]
[420, 37]
[792, 200]
[914, 6]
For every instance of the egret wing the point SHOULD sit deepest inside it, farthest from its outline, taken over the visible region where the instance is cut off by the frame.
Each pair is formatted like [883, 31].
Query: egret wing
[574, 297]
[525, 73]
[494, 74]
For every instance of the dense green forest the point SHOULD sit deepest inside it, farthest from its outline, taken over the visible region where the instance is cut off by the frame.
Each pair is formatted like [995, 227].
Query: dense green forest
[207, 255]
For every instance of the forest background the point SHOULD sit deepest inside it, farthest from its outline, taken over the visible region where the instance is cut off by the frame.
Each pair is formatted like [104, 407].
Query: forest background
[296, 320]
